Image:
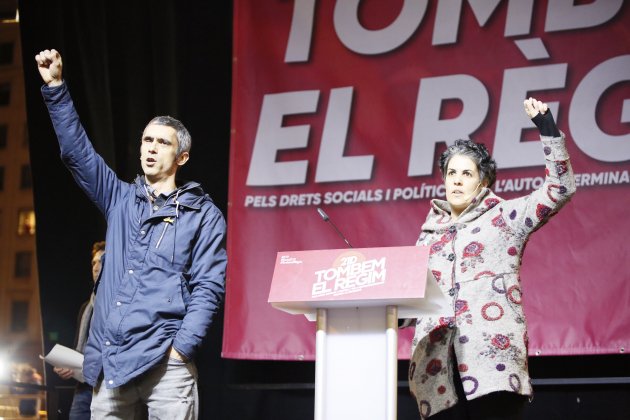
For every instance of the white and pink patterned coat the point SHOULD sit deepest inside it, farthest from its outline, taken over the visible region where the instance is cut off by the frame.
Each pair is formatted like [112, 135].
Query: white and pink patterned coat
[476, 261]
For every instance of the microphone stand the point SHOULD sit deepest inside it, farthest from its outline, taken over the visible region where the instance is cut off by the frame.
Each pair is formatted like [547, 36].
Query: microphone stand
[326, 219]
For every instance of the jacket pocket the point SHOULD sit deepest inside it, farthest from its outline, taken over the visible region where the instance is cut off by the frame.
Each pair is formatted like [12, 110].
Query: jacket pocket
[185, 290]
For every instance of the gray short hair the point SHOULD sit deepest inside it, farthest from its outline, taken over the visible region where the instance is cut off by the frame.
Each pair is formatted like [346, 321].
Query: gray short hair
[184, 141]
[478, 153]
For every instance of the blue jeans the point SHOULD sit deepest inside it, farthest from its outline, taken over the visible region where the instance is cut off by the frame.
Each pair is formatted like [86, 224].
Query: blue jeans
[80, 409]
[168, 390]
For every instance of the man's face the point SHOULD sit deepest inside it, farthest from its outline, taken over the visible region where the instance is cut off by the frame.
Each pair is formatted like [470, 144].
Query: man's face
[158, 152]
[96, 265]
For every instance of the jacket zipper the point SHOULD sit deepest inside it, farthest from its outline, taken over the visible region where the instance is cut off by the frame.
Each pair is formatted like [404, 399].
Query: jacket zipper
[162, 235]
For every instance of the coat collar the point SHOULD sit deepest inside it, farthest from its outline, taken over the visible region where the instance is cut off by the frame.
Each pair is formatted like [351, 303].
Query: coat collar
[439, 217]
[190, 195]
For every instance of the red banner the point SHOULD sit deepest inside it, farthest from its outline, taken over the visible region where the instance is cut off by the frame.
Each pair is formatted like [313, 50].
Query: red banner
[346, 105]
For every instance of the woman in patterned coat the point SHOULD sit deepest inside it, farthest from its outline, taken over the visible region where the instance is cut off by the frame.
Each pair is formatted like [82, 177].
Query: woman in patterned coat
[479, 356]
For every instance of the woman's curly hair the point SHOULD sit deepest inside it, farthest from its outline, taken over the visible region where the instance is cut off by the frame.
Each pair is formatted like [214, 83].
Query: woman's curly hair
[478, 153]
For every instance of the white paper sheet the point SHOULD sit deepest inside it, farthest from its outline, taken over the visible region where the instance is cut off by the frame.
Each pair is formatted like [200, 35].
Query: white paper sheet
[64, 357]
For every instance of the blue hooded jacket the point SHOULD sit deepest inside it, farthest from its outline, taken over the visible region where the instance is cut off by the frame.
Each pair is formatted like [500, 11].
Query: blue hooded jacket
[163, 276]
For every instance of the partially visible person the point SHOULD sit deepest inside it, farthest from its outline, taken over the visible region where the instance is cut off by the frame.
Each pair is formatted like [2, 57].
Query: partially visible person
[80, 409]
[474, 365]
[24, 373]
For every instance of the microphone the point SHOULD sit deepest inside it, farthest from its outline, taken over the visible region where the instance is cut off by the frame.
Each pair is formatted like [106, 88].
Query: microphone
[326, 219]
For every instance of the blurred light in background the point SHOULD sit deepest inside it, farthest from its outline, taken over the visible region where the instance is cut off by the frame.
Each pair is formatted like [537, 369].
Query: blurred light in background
[4, 367]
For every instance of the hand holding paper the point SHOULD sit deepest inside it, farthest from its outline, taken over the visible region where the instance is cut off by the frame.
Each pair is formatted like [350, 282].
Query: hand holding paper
[66, 358]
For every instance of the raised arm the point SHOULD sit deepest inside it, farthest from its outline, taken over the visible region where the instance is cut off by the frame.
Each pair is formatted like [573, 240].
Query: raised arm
[89, 170]
[528, 213]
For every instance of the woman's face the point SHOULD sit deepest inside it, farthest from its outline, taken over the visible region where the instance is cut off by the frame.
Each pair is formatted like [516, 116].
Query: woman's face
[462, 183]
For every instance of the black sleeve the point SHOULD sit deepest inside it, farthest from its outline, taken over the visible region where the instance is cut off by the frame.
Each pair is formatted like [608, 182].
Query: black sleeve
[546, 125]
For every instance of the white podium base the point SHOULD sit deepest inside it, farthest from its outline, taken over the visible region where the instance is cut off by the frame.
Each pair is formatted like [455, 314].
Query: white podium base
[356, 369]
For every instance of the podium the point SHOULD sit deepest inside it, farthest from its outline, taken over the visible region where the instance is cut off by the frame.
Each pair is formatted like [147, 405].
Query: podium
[356, 296]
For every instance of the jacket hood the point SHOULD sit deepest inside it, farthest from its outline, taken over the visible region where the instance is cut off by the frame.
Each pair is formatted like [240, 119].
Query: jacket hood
[189, 193]
[439, 218]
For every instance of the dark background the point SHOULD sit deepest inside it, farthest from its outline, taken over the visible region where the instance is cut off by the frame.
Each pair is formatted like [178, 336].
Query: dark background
[126, 62]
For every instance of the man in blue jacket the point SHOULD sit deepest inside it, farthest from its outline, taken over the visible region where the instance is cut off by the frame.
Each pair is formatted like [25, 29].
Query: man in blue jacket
[164, 275]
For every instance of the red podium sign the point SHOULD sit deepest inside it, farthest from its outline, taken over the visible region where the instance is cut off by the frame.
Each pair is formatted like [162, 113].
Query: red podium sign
[306, 280]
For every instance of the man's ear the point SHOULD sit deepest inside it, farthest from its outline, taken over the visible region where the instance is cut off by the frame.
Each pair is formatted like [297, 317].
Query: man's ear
[182, 158]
